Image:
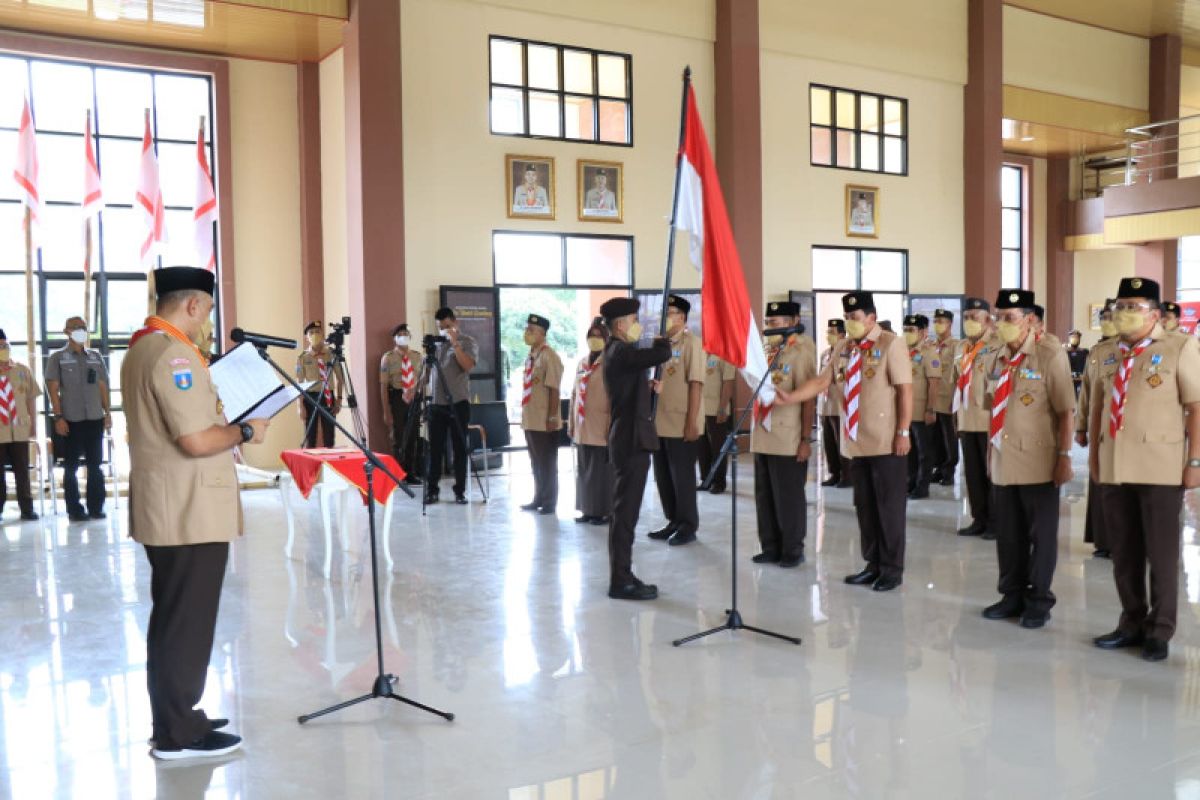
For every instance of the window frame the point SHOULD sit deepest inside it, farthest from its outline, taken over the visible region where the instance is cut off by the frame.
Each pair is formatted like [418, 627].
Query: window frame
[857, 130]
[858, 268]
[564, 283]
[1024, 169]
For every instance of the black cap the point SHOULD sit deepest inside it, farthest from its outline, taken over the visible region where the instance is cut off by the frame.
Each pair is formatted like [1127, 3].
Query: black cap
[315, 325]
[1074, 332]
[178, 279]
[602, 171]
[886, 324]
[619, 307]
[976, 304]
[782, 308]
[1139, 287]
[399, 329]
[1170, 307]
[838, 325]
[916, 321]
[858, 301]
[1039, 312]
[675, 301]
[1014, 298]
[943, 313]
[3, 335]
[445, 312]
[541, 322]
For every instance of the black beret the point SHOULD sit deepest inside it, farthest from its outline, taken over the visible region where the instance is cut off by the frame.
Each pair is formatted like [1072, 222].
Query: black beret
[675, 301]
[1139, 287]
[401, 328]
[1014, 298]
[976, 304]
[858, 301]
[782, 308]
[541, 322]
[943, 313]
[838, 325]
[1039, 311]
[619, 307]
[1170, 307]
[178, 279]
[313, 326]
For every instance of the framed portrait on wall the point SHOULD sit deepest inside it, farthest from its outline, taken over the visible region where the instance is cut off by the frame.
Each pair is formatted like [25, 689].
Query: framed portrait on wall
[601, 191]
[1094, 311]
[529, 184]
[862, 211]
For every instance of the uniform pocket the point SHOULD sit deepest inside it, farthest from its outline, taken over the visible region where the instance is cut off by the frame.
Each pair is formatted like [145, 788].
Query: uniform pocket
[1163, 437]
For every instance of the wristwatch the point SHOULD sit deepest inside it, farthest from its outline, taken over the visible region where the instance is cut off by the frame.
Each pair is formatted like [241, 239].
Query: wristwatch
[902, 433]
[247, 432]
[1065, 453]
[1193, 462]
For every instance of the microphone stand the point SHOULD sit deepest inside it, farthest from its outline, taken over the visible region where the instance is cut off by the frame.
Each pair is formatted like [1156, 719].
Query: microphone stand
[382, 687]
[733, 617]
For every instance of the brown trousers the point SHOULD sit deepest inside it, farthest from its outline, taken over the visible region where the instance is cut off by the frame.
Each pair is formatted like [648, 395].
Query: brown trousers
[1142, 523]
[543, 458]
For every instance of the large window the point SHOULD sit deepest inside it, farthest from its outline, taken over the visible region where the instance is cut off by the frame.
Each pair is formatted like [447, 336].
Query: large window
[552, 91]
[1013, 227]
[857, 130]
[1189, 269]
[837, 270]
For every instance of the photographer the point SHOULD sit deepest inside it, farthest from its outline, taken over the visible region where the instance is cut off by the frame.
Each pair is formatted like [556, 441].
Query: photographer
[315, 365]
[456, 356]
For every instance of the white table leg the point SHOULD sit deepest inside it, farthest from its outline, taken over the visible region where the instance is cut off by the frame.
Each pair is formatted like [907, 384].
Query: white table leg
[344, 519]
[285, 479]
[387, 528]
[328, 533]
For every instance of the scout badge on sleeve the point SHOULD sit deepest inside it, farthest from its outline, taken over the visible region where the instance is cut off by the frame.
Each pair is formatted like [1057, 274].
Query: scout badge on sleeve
[183, 378]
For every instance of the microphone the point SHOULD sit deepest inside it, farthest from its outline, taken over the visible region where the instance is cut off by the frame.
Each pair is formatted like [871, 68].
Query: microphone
[261, 339]
[797, 328]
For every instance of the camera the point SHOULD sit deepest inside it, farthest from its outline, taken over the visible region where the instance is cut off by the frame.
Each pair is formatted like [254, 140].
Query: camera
[341, 330]
[432, 341]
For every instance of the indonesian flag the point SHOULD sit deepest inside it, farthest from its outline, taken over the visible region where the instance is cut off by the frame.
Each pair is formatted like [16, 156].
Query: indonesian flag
[25, 172]
[150, 200]
[205, 209]
[727, 321]
[93, 197]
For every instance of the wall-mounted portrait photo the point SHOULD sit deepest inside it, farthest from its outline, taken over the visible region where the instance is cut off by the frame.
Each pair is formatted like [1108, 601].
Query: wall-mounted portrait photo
[601, 191]
[862, 211]
[530, 186]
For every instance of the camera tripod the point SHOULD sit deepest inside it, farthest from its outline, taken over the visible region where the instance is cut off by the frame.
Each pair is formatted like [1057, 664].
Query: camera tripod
[337, 366]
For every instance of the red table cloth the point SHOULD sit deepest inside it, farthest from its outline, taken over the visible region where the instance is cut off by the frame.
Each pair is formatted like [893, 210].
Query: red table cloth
[305, 466]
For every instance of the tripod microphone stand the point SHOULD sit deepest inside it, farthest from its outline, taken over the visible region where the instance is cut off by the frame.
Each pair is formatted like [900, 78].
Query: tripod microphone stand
[382, 687]
[733, 617]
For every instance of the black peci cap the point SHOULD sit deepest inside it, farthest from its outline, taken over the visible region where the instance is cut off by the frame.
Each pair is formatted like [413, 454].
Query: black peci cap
[541, 322]
[858, 301]
[399, 329]
[782, 308]
[1170, 307]
[675, 301]
[619, 307]
[1014, 298]
[976, 304]
[315, 325]
[1039, 312]
[919, 321]
[178, 279]
[943, 313]
[1139, 287]
[838, 325]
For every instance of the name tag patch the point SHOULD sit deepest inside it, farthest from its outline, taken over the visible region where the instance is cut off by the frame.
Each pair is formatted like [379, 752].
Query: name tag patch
[183, 379]
[1112, 359]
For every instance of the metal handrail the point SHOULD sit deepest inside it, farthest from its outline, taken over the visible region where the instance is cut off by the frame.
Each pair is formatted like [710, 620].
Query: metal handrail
[1147, 144]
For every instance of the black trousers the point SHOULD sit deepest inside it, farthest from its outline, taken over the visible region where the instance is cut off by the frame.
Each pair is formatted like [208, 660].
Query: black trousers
[946, 438]
[1143, 526]
[709, 447]
[1026, 528]
[85, 442]
[16, 455]
[831, 432]
[321, 430]
[185, 587]
[441, 426]
[979, 488]
[629, 486]
[1094, 530]
[781, 505]
[675, 476]
[543, 458]
[405, 452]
[920, 457]
[880, 500]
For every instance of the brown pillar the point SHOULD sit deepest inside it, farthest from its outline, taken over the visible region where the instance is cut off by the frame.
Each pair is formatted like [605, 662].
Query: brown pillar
[312, 256]
[739, 133]
[1160, 260]
[983, 148]
[374, 196]
[1060, 262]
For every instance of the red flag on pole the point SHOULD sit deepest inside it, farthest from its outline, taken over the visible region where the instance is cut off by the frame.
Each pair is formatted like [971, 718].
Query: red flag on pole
[93, 196]
[205, 210]
[25, 173]
[150, 200]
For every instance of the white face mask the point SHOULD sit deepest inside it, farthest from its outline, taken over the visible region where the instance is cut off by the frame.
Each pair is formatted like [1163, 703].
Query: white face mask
[401, 341]
[79, 336]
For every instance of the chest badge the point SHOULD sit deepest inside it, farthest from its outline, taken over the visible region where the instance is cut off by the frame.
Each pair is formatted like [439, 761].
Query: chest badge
[671, 370]
[870, 373]
[1155, 380]
[1027, 399]
[183, 379]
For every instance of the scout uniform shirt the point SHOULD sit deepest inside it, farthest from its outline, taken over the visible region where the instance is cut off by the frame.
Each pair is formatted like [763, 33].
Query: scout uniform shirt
[1104, 350]
[1151, 444]
[547, 374]
[174, 498]
[926, 364]
[795, 366]
[21, 386]
[944, 402]
[685, 367]
[832, 398]
[590, 399]
[885, 365]
[975, 416]
[398, 367]
[716, 372]
[1041, 390]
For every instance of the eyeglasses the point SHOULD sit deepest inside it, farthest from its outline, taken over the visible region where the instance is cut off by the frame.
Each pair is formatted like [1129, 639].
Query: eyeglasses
[1131, 307]
[1012, 318]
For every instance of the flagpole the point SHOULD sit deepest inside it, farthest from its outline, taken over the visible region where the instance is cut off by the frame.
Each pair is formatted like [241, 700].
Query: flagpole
[87, 243]
[687, 82]
[29, 286]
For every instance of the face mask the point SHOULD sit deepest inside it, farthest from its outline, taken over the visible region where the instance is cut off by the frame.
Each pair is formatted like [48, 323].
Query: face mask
[1074, 342]
[941, 327]
[1107, 329]
[774, 341]
[1130, 321]
[79, 336]
[401, 341]
[912, 339]
[206, 329]
[530, 338]
[5, 354]
[314, 339]
[595, 344]
[1009, 332]
[1170, 324]
[972, 328]
[634, 332]
[831, 339]
[855, 329]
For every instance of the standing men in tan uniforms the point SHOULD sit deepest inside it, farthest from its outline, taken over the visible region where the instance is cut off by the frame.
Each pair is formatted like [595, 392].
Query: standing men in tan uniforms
[315, 365]
[1039, 327]
[974, 415]
[945, 436]
[588, 425]
[1029, 452]
[1170, 317]
[397, 384]
[540, 410]
[18, 412]
[831, 411]
[1145, 430]
[781, 443]
[1103, 355]
[873, 368]
[679, 425]
[719, 379]
[926, 382]
[183, 506]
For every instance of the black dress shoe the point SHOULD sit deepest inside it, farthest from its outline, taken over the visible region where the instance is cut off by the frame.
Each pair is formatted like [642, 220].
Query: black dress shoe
[1034, 621]
[662, 534]
[461, 499]
[583, 519]
[78, 517]
[96, 515]
[867, 576]
[530, 507]
[844, 485]
[937, 476]
[791, 561]
[29, 516]
[635, 590]
[1155, 650]
[1118, 639]
[717, 490]
[1005, 609]
[947, 481]
[918, 494]
[885, 584]
[831, 482]
[987, 535]
[431, 497]
[1101, 552]
[765, 558]
[546, 511]
[601, 520]
[974, 529]
[681, 538]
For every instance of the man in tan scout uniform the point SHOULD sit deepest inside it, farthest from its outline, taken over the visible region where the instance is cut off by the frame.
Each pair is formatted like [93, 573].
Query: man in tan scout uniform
[927, 379]
[719, 379]
[1039, 327]
[315, 364]
[398, 370]
[973, 414]
[540, 412]
[679, 424]
[873, 368]
[1170, 318]
[1145, 430]
[945, 437]
[1104, 354]
[831, 410]
[588, 425]
[1032, 401]
[18, 410]
[781, 443]
[183, 506]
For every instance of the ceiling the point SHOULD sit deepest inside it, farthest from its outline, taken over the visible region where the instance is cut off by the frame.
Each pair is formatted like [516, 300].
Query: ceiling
[1036, 139]
[1137, 17]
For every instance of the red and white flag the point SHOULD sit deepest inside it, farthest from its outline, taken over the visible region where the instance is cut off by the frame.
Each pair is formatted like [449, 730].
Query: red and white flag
[25, 172]
[93, 196]
[727, 320]
[150, 200]
[204, 212]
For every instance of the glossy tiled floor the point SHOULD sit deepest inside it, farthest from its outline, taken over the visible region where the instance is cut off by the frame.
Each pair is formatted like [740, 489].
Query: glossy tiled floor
[501, 617]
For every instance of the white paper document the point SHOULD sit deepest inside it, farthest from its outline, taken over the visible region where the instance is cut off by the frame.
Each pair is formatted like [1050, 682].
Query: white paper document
[249, 387]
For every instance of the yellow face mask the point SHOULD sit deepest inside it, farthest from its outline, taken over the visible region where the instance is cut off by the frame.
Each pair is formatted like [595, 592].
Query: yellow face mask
[595, 344]
[5, 354]
[941, 327]
[831, 339]
[774, 341]
[1170, 324]
[202, 337]
[911, 338]
[1107, 328]
[530, 338]
[1130, 321]
[1009, 331]
[972, 328]
[634, 332]
[856, 329]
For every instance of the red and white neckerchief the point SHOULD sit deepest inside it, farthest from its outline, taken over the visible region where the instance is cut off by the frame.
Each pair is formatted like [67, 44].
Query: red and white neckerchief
[762, 410]
[1116, 413]
[585, 376]
[854, 386]
[323, 375]
[962, 391]
[527, 384]
[8, 401]
[408, 377]
[1000, 400]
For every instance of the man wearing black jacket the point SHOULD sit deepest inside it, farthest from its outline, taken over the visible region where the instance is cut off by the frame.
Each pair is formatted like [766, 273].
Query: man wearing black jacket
[631, 437]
